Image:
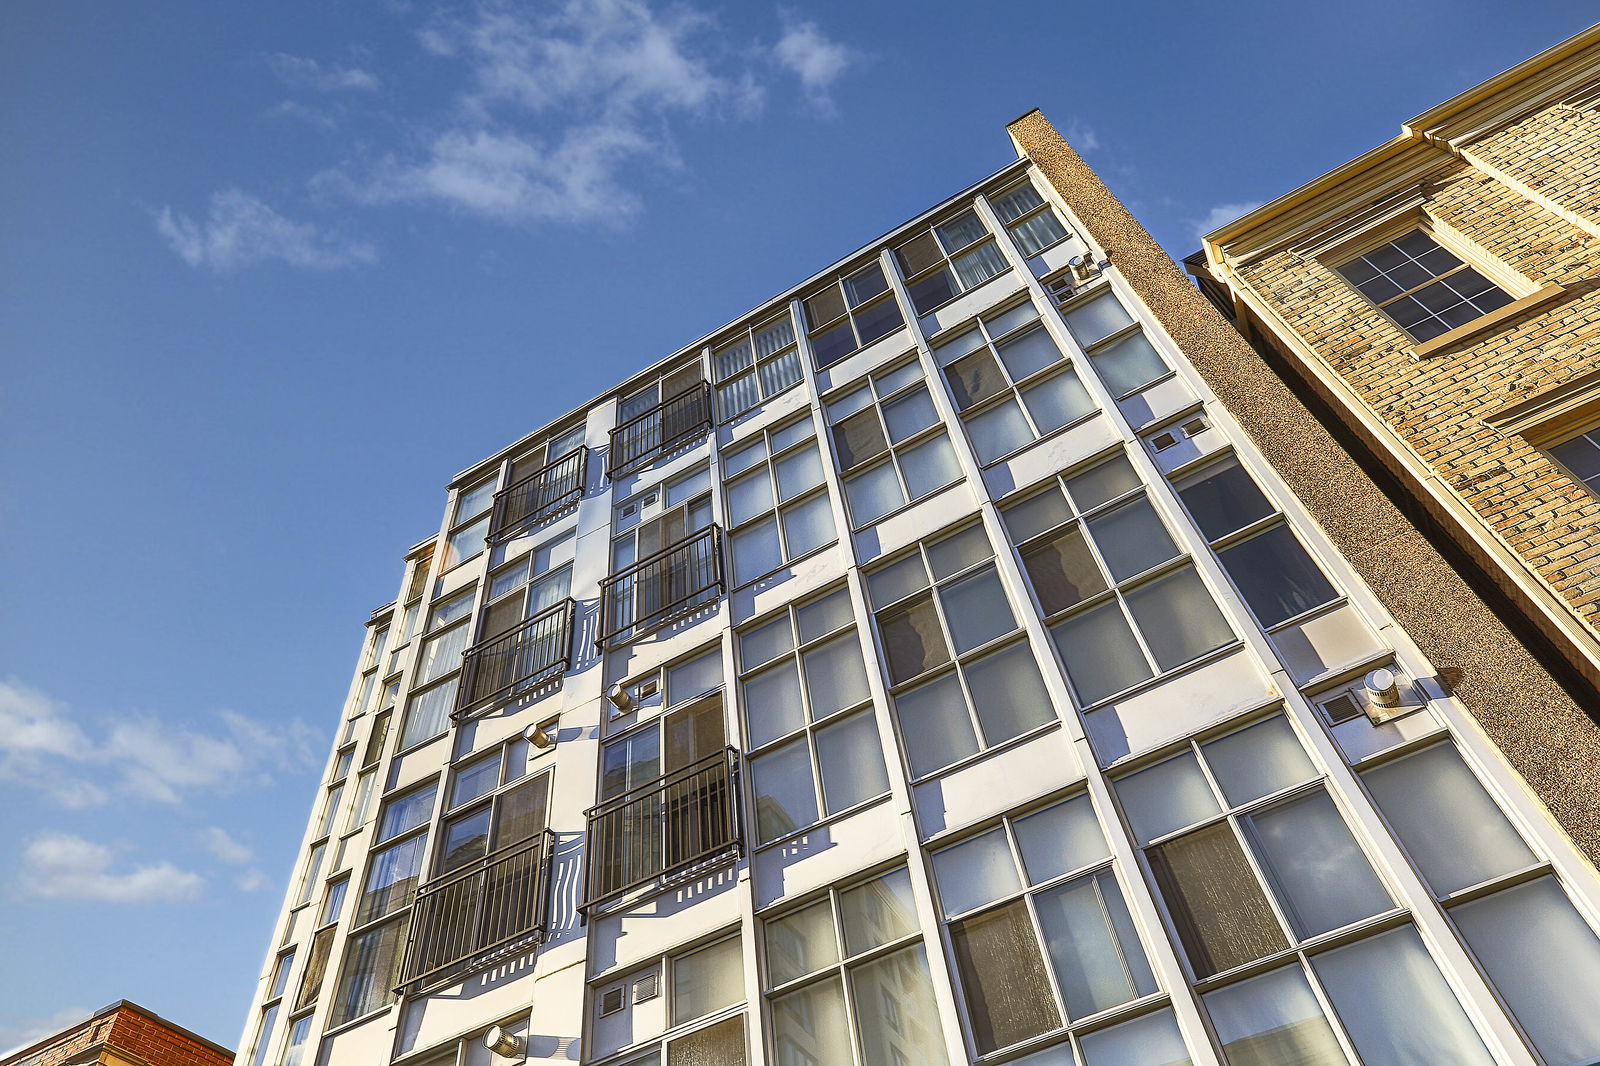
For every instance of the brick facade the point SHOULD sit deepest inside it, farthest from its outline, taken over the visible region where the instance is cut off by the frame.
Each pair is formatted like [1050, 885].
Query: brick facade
[123, 1034]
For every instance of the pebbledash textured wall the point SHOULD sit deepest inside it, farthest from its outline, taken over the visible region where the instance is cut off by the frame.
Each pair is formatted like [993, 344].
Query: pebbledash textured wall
[1521, 707]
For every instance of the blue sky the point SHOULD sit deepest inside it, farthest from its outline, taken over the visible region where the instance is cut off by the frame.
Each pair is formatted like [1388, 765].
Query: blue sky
[272, 273]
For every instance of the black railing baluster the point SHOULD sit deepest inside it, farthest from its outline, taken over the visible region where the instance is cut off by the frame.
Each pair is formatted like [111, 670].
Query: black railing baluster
[499, 666]
[660, 587]
[657, 430]
[543, 493]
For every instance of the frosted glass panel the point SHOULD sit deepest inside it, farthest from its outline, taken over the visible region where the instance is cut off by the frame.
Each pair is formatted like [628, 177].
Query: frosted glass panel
[1153, 1040]
[1545, 961]
[785, 798]
[1057, 401]
[749, 497]
[1323, 879]
[877, 912]
[765, 644]
[934, 725]
[801, 943]
[852, 764]
[707, 980]
[1258, 760]
[1095, 968]
[1131, 539]
[1060, 838]
[1451, 827]
[1215, 901]
[1003, 976]
[772, 704]
[998, 431]
[835, 676]
[809, 1025]
[930, 465]
[896, 1017]
[1166, 797]
[1100, 652]
[975, 872]
[1271, 1020]
[808, 525]
[1395, 1005]
[721, 1044]
[976, 609]
[1008, 694]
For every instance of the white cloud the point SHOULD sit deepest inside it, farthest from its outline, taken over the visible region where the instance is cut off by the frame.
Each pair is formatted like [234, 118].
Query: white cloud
[807, 53]
[63, 866]
[83, 763]
[20, 1035]
[300, 73]
[218, 842]
[241, 230]
[1221, 215]
[1082, 137]
[252, 880]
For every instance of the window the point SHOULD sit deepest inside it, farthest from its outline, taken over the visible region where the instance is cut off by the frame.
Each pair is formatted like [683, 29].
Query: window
[1123, 603]
[1031, 222]
[469, 529]
[1425, 288]
[1533, 945]
[948, 259]
[1274, 574]
[524, 636]
[665, 559]
[371, 970]
[361, 806]
[1043, 878]
[891, 446]
[809, 727]
[777, 500]
[264, 1031]
[759, 363]
[321, 944]
[540, 484]
[961, 679]
[1010, 382]
[699, 984]
[299, 1035]
[847, 979]
[313, 871]
[393, 871]
[1117, 348]
[505, 819]
[670, 411]
[850, 314]
[1581, 457]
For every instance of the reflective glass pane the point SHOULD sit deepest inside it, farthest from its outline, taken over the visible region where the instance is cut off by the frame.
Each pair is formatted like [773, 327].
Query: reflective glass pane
[1308, 853]
[1008, 694]
[707, 980]
[998, 431]
[897, 580]
[1028, 354]
[1178, 618]
[391, 879]
[930, 465]
[877, 912]
[1166, 797]
[1103, 482]
[873, 494]
[798, 471]
[1097, 319]
[975, 378]
[807, 525]
[1452, 829]
[1088, 936]
[948, 352]
[406, 812]
[852, 764]
[1008, 993]
[721, 1044]
[1275, 576]
[835, 676]
[1271, 1020]
[913, 641]
[1258, 760]
[1036, 514]
[1223, 498]
[766, 643]
[976, 872]
[756, 551]
[772, 704]
[909, 414]
[977, 609]
[1128, 365]
[749, 497]
[1131, 538]
[1062, 569]
[1100, 652]
[1060, 838]
[1038, 232]
[896, 1017]
[464, 840]
[825, 615]
[737, 462]
[801, 943]
[955, 553]
[1011, 318]
[1057, 401]
[785, 797]
[934, 725]
[859, 439]
[809, 1025]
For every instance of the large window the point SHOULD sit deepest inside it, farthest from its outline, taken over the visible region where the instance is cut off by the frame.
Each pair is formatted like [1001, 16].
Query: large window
[850, 313]
[1032, 223]
[1534, 946]
[962, 677]
[1424, 287]
[1124, 604]
[1274, 574]
[754, 366]
[946, 260]
[481, 820]
[1041, 934]
[371, 970]
[778, 506]
[808, 717]
[891, 446]
[1117, 347]
[847, 980]
[469, 529]
[664, 561]
[1010, 382]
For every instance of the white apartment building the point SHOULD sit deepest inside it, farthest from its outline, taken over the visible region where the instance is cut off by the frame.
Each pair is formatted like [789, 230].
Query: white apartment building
[924, 668]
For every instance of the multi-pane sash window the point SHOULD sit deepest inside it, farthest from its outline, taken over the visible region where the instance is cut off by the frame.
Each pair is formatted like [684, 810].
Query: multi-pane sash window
[757, 365]
[671, 514]
[961, 676]
[946, 260]
[1274, 574]
[1032, 223]
[1581, 457]
[1124, 604]
[777, 500]
[469, 530]
[808, 717]
[850, 314]
[394, 870]
[449, 629]
[1425, 288]
[1536, 949]
[1248, 850]
[1010, 382]
[892, 448]
[1117, 347]
[847, 980]
[504, 819]
[1043, 878]
[371, 970]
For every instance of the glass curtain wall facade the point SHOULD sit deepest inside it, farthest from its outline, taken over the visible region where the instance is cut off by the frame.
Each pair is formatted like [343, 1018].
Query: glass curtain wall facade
[944, 679]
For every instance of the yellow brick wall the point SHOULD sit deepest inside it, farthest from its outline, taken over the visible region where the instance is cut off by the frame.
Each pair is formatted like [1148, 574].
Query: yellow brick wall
[1437, 404]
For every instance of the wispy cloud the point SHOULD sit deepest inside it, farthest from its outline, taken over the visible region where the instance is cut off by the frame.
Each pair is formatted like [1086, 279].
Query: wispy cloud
[1221, 215]
[19, 1035]
[218, 842]
[241, 230]
[301, 73]
[63, 866]
[46, 747]
[817, 60]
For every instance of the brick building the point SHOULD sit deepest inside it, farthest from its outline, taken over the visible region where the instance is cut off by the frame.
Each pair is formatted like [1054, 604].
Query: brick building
[123, 1034]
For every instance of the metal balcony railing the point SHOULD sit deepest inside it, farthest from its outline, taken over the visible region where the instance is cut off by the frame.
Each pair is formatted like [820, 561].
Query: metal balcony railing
[552, 488]
[686, 819]
[660, 587]
[504, 665]
[672, 422]
[474, 916]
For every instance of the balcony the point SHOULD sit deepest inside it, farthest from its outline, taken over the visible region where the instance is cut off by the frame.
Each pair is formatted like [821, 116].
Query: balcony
[516, 660]
[684, 821]
[545, 492]
[475, 916]
[658, 430]
[661, 587]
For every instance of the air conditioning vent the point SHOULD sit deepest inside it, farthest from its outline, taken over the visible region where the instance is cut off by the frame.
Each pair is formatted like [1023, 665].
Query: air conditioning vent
[1343, 708]
[646, 987]
[612, 999]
